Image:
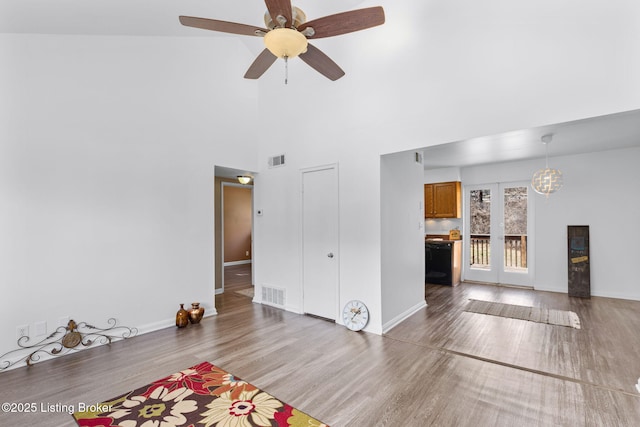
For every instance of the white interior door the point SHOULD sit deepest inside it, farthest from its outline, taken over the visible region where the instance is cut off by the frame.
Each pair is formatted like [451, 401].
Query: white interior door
[320, 234]
[498, 233]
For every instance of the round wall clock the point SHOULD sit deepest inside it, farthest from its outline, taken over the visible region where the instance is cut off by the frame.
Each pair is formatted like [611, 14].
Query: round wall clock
[355, 315]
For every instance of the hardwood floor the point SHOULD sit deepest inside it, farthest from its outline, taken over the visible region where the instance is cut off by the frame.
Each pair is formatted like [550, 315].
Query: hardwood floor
[441, 367]
[236, 278]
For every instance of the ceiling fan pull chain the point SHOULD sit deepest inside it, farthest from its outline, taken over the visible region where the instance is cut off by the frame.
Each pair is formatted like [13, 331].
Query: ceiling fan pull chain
[286, 69]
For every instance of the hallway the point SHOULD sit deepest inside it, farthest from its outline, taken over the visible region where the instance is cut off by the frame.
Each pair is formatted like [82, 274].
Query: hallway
[237, 278]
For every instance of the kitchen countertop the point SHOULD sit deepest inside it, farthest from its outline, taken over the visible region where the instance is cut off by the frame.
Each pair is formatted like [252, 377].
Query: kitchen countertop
[436, 237]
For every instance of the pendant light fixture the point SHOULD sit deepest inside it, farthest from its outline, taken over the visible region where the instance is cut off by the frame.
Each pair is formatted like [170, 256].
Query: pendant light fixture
[546, 181]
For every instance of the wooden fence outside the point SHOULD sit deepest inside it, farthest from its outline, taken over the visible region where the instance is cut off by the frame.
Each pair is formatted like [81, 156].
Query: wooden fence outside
[515, 251]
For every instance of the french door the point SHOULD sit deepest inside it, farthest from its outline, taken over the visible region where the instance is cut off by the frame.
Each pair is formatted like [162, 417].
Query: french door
[498, 233]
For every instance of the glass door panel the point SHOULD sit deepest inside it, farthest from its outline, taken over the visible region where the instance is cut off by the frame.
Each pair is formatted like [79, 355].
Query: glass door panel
[480, 204]
[515, 226]
[480, 241]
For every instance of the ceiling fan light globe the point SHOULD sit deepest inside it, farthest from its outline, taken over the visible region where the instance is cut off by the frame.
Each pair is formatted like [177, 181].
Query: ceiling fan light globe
[285, 42]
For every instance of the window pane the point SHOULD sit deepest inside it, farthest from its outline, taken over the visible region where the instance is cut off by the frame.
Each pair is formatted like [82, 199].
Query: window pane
[515, 228]
[480, 209]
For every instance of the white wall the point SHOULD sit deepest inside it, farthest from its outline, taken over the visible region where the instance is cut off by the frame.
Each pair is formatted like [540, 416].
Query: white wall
[402, 237]
[106, 176]
[434, 72]
[598, 191]
[277, 237]
[441, 175]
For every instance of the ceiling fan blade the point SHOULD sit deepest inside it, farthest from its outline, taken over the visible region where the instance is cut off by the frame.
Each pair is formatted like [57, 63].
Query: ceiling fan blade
[280, 7]
[321, 63]
[260, 65]
[222, 26]
[345, 22]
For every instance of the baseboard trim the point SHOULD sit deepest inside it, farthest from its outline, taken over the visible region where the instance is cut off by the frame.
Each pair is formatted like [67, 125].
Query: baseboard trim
[230, 263]
[403, 316]
[144, 329]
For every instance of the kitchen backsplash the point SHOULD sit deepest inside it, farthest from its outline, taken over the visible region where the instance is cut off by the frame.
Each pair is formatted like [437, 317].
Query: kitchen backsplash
[441, 226]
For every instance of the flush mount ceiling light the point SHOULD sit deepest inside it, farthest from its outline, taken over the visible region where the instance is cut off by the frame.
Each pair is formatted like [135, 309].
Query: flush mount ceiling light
[546, 181]
[242, 179]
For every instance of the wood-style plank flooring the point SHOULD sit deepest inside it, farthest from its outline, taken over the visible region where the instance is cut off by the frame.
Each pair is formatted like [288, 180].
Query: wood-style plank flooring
[441, 367]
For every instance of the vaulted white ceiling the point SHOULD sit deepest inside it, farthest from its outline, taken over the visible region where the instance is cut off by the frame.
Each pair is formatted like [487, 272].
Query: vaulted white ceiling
[142, 17]
[160, 18]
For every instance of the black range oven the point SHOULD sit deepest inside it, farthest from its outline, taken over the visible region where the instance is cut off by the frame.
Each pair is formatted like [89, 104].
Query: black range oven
[438, 262]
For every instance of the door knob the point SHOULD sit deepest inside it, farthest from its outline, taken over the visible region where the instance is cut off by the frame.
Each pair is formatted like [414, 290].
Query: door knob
[330, 254]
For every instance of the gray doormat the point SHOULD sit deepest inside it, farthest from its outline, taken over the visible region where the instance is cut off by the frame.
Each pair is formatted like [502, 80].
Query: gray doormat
[532, 314]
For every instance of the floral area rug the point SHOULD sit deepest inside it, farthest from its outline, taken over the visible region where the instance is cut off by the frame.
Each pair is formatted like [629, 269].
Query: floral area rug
[201, 396]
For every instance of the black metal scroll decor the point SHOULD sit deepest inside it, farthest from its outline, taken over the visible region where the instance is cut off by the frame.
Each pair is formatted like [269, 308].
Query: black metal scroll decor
[63, 340]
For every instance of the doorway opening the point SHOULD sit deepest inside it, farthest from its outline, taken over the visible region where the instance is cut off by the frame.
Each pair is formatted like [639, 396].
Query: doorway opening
[233, 212]
[498, 243]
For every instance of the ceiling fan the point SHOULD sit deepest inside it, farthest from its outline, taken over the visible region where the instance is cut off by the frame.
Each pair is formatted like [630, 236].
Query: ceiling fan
[287, 33]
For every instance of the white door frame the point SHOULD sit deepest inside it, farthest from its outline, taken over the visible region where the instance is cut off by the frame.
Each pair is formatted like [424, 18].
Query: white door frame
[496, 273]
[336, 252]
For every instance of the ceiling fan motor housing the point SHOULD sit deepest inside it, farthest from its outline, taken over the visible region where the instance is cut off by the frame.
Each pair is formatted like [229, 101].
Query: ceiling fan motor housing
[298, 17]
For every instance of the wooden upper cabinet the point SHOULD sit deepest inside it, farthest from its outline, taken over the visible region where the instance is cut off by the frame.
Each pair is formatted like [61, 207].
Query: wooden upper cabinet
[442, 200]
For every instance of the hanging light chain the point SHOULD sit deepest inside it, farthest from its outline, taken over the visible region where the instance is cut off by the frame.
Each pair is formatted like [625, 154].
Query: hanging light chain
[286, 69]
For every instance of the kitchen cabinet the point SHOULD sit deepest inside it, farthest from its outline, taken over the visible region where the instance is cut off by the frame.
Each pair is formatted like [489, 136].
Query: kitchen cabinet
[442, 200]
